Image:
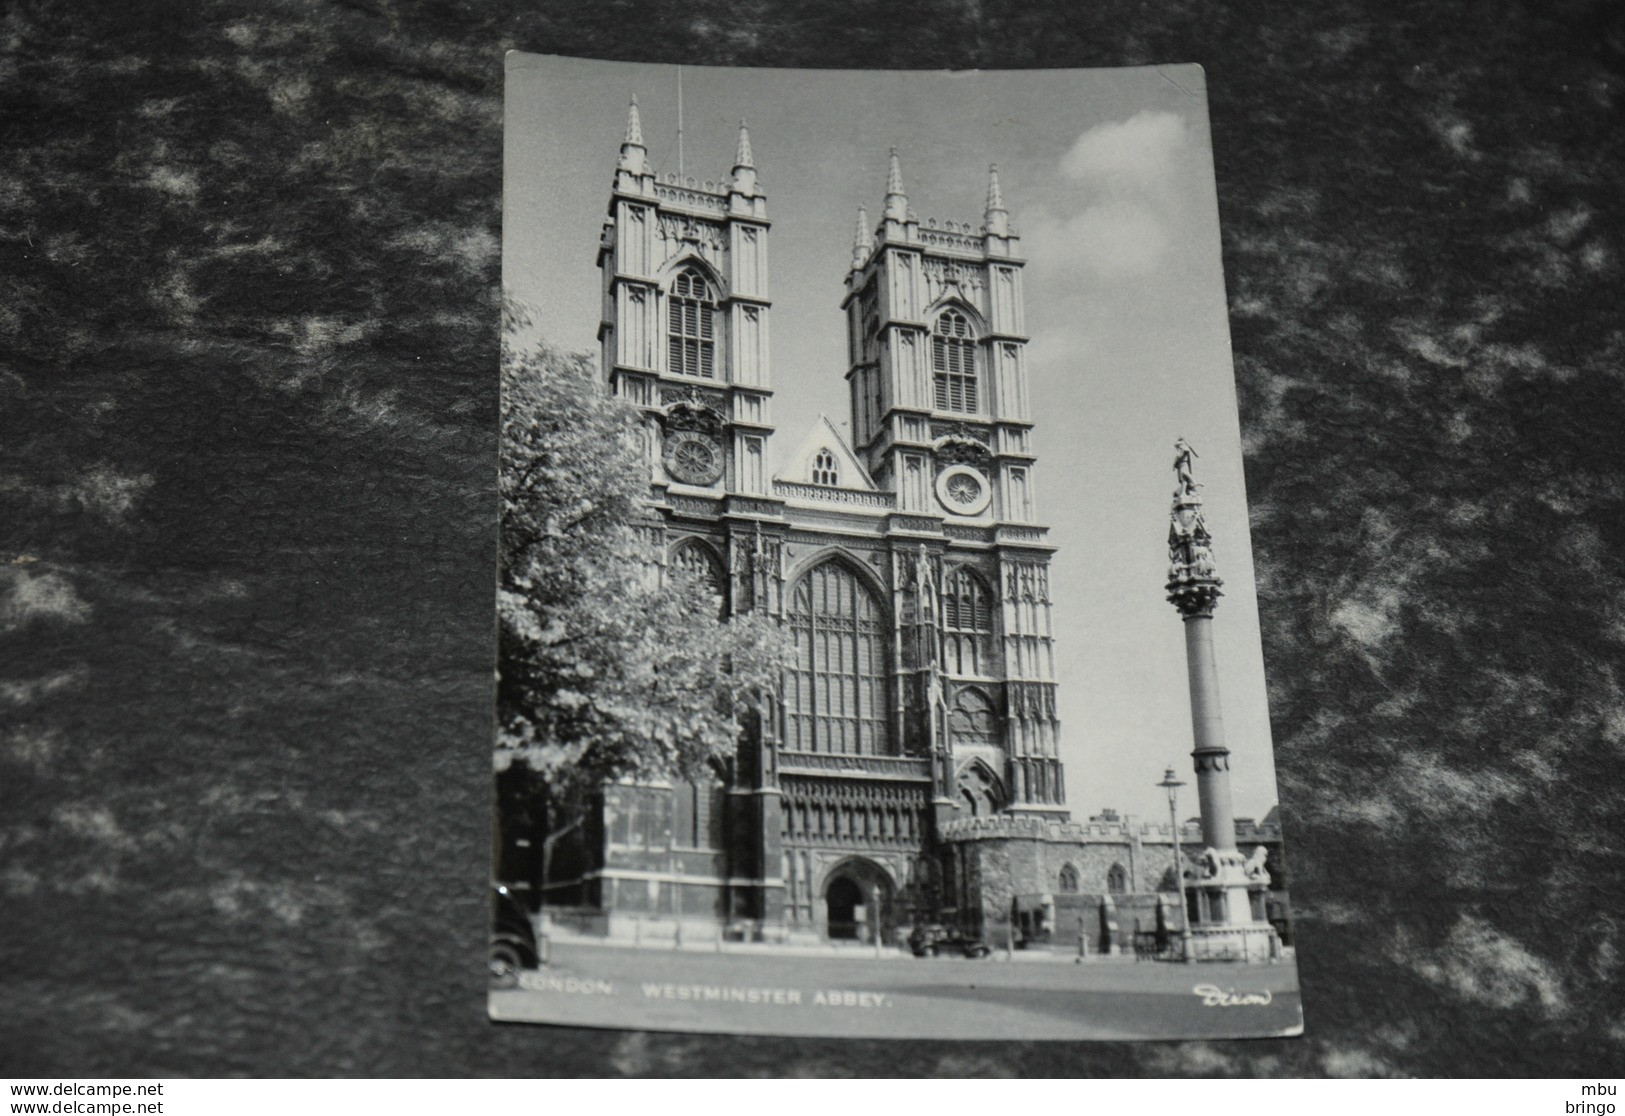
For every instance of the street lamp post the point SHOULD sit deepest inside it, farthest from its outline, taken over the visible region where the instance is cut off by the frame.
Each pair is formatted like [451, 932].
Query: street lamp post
[1172, 785]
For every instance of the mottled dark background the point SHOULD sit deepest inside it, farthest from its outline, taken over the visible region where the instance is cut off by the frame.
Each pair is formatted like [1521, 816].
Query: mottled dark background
[247, 455]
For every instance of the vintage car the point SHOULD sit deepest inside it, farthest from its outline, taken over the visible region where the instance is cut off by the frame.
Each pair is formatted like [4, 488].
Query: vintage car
[935, 940]
[513, 938]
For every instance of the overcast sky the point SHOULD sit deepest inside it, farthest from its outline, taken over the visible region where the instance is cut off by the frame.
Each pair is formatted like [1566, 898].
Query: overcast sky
[1108, 176]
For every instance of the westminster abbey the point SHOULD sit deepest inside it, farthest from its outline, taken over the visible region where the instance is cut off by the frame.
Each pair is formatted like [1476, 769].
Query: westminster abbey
[910, 771]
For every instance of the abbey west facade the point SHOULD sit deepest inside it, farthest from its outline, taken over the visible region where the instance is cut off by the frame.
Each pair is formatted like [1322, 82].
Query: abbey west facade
[909, 771]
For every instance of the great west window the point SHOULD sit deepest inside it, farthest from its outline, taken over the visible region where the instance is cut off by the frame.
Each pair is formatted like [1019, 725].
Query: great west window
[835, 689]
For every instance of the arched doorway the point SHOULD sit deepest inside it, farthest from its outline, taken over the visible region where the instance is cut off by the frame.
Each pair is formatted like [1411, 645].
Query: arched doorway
[858, 902]
[845, 902]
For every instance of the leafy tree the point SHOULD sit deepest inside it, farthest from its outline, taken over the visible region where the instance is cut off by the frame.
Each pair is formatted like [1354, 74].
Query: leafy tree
[610, 666]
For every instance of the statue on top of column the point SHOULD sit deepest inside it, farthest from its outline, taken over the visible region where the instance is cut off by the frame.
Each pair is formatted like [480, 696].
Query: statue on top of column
[1183, 456]
[1193, 581]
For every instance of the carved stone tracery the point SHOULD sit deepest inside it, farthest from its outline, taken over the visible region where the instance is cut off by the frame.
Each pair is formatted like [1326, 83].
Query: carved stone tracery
[840, 812]
[758, 571]
[694, 397]
[686, 230]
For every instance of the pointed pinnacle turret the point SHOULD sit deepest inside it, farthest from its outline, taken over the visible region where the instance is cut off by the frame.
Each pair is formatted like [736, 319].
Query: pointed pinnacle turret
[634, 156]
[896, 200]
[744, 172]
[634, 125]
[997, 218]
[863, 245]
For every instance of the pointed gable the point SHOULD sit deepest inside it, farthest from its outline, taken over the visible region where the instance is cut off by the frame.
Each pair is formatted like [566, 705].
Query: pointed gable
[824, 459]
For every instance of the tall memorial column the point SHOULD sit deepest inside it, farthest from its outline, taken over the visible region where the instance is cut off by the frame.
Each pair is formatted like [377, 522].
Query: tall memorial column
[1223, 919]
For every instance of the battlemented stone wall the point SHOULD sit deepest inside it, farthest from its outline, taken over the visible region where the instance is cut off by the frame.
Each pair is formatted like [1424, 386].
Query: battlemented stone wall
[1005, 857]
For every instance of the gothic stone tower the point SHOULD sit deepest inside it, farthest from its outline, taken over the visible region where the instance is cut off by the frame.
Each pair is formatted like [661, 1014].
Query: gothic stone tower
[684, 333]
[941, 416]
[685, 317]
[916, 587]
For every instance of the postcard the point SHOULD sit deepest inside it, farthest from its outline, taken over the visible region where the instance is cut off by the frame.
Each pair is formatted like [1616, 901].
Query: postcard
[879, 650]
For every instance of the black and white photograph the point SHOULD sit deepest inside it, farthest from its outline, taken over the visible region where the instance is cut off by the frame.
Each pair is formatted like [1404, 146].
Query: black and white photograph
[878, 638]
[487, 594]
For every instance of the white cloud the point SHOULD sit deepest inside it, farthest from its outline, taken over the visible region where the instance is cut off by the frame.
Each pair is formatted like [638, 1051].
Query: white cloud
[1141, 151]
[1122, 214]
[1120, 236]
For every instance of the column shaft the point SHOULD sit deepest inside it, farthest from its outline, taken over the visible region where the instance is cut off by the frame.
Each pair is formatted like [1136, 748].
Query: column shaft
[1207, 724]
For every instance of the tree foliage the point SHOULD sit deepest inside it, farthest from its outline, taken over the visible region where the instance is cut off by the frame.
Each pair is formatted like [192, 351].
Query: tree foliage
[610, 665]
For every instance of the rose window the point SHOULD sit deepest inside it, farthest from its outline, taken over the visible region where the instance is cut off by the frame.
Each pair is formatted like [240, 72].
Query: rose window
[963, 489]
[694, 458]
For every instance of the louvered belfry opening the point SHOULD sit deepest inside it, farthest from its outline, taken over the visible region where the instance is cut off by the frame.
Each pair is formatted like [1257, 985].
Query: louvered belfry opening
[953, 364]
[692, 327]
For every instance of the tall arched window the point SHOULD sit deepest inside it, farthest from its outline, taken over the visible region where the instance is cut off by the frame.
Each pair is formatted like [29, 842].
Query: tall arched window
[1069, 879]
[953, 364]
[835, 691]
[691, 328]
[1117, 879]
[980, 791]
[696, 558]
[824, 470]
[967, 624]
[696, 816]
[972, 720]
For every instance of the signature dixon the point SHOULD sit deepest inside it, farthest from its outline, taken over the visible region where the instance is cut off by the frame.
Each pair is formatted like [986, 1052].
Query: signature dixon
[1214, 996]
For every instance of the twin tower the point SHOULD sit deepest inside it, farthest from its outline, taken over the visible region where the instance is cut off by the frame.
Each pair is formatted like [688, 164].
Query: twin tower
[936, 336]
[906, 563]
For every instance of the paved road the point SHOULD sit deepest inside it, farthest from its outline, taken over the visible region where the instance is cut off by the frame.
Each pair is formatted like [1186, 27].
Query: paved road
[859, 995]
